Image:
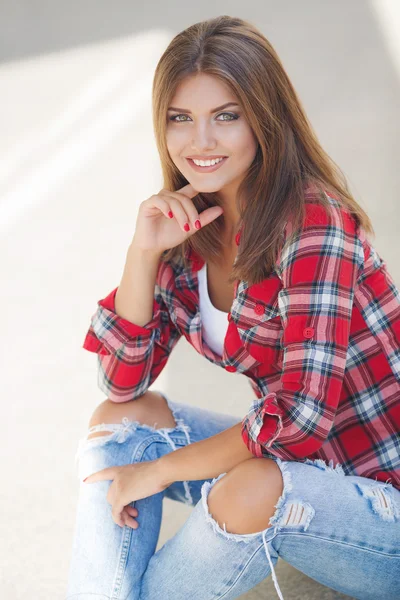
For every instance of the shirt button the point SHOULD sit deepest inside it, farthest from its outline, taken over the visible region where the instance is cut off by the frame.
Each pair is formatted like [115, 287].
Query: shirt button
[308, 332]
[230, 368]
[259, 309]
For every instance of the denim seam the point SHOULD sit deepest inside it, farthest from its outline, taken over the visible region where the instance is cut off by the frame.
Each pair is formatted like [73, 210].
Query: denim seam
[152, 440]
[137, 456]
[339, 542]
[128, 532]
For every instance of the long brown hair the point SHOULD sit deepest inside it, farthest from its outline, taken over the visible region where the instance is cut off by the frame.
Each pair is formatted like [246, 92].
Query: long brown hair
[288, 158]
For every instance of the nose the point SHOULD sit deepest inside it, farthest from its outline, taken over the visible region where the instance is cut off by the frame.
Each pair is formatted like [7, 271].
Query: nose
[203, 140]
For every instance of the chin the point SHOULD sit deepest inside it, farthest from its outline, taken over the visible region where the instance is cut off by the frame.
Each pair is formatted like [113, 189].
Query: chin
[206, 188]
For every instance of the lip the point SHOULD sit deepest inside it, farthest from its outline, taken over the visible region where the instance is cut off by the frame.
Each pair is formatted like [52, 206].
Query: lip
[206, 169]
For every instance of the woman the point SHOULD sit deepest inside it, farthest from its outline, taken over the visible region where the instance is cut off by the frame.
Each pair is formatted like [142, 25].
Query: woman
[260, 259]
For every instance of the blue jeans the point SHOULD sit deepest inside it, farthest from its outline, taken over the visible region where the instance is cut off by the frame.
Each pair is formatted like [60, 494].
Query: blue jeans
[341, 530]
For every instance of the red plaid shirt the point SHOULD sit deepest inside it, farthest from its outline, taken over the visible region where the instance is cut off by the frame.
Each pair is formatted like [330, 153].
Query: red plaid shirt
[318, 340]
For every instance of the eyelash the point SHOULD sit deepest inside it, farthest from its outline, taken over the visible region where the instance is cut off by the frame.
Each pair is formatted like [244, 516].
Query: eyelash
[233, 115]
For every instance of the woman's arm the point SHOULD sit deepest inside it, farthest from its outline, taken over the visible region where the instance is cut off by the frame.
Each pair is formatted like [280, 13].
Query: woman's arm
[132, 336]
[207, 458]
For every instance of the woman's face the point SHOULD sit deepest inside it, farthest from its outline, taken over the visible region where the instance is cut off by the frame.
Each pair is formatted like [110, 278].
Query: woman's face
[195, 128]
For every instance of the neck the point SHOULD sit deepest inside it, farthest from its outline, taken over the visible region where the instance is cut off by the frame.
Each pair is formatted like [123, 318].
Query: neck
[231, 225]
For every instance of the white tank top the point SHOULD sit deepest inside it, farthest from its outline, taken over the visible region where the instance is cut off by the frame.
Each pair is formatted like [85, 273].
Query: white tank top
[214, 321]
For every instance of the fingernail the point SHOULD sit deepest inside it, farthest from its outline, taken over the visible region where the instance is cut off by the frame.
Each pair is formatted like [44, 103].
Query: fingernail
[170, 214]
[186, 227]
[197, 224]
[85, 478]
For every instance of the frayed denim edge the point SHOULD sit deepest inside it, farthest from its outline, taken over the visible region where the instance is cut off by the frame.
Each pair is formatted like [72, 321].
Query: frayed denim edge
[318, 462]
[390, 512]
[249, 537]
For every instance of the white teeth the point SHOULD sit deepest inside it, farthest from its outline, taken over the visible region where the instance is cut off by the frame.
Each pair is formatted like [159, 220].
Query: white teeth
[206, 163]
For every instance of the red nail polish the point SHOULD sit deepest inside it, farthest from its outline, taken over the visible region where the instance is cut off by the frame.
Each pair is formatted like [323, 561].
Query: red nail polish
[170, 214]
[186, 227]
[197, 224]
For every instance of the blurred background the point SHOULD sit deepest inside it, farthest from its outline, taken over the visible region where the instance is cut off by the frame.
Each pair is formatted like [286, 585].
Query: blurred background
[77, 156]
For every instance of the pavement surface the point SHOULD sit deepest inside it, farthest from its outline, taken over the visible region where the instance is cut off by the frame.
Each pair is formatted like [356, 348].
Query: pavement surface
[77, 157]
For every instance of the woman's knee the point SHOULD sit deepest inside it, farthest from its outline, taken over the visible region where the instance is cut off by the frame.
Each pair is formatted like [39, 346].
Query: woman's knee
[245, 498]
[149, 409]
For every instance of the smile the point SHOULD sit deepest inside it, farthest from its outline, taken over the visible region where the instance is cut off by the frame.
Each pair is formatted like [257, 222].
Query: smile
[207, 169]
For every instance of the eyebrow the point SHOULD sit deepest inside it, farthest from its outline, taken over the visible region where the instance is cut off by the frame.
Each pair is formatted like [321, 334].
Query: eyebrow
[211, 111]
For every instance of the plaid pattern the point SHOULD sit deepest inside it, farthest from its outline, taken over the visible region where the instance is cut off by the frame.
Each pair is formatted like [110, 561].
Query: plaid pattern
[318, 340]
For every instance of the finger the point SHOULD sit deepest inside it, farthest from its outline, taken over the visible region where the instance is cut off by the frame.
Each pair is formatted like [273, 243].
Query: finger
[117, 508]
[108, 473]
[179, 213]
[129, 521]
[131, 510]
[161, 203]
[117, 516]
[188, 206]
[210, 214]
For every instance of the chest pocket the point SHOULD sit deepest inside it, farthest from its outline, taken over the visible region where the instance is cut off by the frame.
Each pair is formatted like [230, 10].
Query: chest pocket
[257, 317]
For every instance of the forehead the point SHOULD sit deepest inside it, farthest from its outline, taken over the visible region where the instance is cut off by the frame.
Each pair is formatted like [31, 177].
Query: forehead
[201, 90]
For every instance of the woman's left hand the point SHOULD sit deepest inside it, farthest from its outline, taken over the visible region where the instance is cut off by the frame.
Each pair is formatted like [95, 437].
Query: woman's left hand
[129, 482]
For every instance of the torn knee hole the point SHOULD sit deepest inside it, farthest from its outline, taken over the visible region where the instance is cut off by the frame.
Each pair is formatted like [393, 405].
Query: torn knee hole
[127, 425]
[106, 429]
[98, 433]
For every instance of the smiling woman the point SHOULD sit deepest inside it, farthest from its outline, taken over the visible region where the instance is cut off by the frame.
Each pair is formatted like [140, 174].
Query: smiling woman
[215, 103]
[257, 254]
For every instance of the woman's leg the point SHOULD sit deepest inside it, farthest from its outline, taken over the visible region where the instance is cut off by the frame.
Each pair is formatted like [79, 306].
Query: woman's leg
[343, 531]
[350, 527]
[108, 561]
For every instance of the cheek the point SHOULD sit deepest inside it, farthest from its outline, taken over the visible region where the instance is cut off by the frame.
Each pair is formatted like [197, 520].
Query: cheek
[245, 154]
[175, 138]
[243, 141]
[172, 142]
[251, 147]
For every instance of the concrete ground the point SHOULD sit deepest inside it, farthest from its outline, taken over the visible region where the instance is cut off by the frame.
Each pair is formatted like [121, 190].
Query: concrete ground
[77, 157]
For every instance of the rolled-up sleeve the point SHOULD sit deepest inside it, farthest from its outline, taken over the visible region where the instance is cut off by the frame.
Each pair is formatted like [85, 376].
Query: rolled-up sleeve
[318, 269]
[130, 356]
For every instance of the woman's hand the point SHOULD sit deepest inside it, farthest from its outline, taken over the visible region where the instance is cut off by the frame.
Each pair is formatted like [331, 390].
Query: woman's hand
[130, 482]
[161, 219]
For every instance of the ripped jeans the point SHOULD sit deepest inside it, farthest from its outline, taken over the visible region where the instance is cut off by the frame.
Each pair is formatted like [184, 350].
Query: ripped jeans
[341, 530]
